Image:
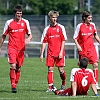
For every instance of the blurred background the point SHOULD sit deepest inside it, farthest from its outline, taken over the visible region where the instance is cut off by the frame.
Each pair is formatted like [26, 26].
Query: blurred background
[36, 12]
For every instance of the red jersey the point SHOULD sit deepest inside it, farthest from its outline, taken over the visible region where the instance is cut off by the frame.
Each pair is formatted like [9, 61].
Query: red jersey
[84, 78]
[54, 36]
[84, 35]
[16, 32]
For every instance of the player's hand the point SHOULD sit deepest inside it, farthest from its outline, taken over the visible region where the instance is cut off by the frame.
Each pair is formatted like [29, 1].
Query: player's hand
[27, 41]
[60, 55]
[41, 58]
[79, 49]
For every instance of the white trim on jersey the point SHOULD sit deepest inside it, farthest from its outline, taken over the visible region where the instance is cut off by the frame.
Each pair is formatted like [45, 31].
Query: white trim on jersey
[28, 26]
[77, 30]
[44, 33]
[6, 25]
[63, 31]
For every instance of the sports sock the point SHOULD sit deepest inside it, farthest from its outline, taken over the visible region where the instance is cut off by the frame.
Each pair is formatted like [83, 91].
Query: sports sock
[17, 76]
[63, 77]
[50, 79]
[95, 71]
[12, 78]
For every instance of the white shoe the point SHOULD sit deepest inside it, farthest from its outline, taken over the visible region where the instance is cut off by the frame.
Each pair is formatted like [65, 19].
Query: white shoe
[97, 86]
[49, 90]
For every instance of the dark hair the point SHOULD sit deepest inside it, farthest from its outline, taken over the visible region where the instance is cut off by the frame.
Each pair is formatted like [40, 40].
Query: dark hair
[17, 8]
[85, 14]
[83, 62]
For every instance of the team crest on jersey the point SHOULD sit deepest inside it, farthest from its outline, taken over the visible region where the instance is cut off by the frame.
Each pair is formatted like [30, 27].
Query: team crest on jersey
[57, 29]
[22, 24]
[90, 28]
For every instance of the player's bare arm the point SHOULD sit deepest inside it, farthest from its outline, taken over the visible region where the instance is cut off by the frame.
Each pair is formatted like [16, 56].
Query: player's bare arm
[74, 88]
[2, 39]
[42, 51]
[77, 45]
[97, 38]
[28, 39]
[62, 48]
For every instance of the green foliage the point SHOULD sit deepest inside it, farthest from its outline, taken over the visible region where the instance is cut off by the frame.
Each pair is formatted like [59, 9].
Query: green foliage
[33, 82]
[38, 7]
[41, 7]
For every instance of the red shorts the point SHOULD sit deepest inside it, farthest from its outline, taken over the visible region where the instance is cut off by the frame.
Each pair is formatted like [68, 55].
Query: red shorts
[51, 61]
[91, 55]
[15, 56]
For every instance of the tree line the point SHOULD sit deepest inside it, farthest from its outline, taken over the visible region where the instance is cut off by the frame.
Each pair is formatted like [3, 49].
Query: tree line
[42, 7]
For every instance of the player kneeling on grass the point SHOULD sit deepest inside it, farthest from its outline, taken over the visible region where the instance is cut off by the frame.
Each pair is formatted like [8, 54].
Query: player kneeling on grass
[81, 79]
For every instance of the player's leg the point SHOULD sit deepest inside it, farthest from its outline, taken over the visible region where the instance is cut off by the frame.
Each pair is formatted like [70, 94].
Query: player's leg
[13, 77]
[66, 92]
[60, 63]
[96, 74]
[93, 59]
[20, 60]
[17, 72]
[50, 77]
[12, 62]
[63, 77]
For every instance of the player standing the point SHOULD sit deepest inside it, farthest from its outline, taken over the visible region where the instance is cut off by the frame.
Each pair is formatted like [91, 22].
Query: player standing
[16, 28]
[83, 38]
[55, 36]
[81, 78]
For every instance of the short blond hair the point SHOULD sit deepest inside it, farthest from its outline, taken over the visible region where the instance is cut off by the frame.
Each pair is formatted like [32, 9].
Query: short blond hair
[52, 12]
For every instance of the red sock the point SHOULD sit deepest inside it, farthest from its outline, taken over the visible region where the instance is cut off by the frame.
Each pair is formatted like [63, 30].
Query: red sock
[63, 77]
[95, 71]
[17, 76]
[12, 78]
[50, 79]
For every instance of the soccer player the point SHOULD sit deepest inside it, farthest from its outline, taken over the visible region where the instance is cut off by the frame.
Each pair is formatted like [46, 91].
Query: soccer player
[84, 36]
[81, 78]
[55, 36]
[16, 28]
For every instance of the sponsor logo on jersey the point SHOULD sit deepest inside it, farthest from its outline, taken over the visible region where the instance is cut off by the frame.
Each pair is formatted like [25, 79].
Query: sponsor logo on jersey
[22, 24]
[90, 28]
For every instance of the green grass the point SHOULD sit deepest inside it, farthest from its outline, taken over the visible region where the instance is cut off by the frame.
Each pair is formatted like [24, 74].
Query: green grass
[33, 82]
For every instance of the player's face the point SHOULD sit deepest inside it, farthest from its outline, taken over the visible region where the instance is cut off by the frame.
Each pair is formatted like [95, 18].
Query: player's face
[18, 15]
[53, 19]
[88, 19]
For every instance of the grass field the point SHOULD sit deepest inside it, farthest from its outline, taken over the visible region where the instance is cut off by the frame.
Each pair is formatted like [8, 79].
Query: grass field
[33, 81]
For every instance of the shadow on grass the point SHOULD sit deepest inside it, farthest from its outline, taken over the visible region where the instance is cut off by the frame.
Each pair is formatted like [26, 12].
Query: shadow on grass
[5, 91]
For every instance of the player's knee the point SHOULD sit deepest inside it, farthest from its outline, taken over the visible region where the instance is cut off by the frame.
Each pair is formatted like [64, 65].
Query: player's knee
[95, 65]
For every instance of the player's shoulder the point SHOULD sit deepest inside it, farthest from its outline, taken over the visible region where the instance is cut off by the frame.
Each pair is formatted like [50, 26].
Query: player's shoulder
[10, 20]
[90, 70]
[80, 24]
[23, 19]
[60, 25]
[75, 69]
[47, 27]
[92, 23]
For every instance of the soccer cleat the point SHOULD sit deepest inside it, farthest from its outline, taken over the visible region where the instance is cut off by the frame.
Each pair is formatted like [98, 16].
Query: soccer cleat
[62, 88]
[49, 90]
[14, 90]
[54, 89]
